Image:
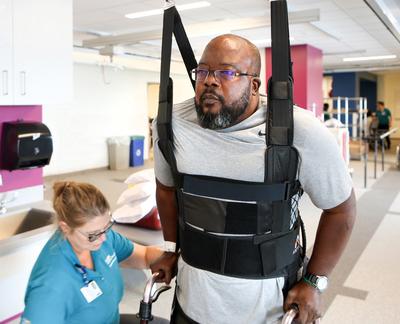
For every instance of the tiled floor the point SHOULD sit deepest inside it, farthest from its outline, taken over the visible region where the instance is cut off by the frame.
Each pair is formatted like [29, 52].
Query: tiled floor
[364, 285]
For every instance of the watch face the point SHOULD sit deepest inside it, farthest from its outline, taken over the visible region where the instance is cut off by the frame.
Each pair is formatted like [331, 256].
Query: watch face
[322, 283]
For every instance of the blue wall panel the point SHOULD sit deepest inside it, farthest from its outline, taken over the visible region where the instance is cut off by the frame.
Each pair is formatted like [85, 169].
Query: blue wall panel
[368, 89]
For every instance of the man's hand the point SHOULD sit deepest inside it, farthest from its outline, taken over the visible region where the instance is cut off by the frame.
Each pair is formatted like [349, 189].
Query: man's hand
[307, 299]
[167, 265]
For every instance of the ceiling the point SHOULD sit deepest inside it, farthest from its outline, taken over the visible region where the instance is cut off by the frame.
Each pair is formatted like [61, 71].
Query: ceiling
[340, 28]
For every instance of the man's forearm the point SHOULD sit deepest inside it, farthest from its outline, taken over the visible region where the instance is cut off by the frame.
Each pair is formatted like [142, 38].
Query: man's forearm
[333, 233]
[168, 211]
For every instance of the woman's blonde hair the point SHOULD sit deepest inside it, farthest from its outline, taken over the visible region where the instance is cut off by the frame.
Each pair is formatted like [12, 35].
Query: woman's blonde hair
[76, 202]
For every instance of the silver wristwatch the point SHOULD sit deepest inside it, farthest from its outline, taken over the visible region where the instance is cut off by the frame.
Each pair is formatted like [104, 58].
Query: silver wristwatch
[318, 282]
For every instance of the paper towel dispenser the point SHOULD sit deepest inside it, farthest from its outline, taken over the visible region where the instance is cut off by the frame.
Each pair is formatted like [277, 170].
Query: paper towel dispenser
[25, 145]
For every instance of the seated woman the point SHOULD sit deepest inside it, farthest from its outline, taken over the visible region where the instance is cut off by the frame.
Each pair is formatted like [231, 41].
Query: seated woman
[77, 278]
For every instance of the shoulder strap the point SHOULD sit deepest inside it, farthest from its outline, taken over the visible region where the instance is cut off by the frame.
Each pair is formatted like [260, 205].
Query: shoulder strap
[279, 128]
[172, 24]
[281, 158]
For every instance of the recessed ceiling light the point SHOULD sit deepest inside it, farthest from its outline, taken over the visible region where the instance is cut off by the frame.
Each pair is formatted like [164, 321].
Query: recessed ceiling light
[369, 58]
[155, 12]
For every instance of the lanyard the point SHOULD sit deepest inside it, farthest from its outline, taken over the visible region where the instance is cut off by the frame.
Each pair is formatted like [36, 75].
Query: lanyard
[83, 272]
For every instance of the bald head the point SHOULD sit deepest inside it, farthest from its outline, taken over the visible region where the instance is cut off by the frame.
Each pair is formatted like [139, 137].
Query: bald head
[239, 45]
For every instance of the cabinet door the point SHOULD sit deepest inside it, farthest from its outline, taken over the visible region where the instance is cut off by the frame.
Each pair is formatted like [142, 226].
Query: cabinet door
[42, 51]
[6, 54]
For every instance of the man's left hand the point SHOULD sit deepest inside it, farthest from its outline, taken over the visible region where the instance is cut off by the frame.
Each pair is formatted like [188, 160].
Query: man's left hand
[308, 301]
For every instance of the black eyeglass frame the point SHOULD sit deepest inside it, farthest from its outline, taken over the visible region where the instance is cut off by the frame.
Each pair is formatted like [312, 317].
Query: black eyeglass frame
[92, 237]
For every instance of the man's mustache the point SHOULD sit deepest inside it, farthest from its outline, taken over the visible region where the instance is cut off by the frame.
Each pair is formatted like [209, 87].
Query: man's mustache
[211, 95]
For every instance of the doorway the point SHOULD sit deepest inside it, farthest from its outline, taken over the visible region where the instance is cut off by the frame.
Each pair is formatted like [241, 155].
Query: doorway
[152, 108]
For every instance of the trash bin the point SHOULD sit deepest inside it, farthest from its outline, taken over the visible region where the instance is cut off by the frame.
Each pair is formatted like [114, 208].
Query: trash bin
[136, 150]
[118, 152]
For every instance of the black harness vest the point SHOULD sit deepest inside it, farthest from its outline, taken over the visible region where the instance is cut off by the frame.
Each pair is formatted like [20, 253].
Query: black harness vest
[238, 228]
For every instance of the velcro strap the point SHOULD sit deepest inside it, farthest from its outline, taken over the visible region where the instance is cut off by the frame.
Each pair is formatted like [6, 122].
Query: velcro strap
[281, 90]
[226, 189]
[280, 135]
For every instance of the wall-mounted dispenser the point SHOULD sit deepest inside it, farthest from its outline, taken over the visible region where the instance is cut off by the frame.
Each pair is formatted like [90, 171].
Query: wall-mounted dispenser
[25, 145]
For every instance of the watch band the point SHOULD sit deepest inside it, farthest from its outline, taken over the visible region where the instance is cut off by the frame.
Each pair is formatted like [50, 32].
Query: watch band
[318, 282]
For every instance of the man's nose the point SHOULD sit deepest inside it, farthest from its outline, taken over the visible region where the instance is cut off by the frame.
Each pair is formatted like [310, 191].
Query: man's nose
[211, 79]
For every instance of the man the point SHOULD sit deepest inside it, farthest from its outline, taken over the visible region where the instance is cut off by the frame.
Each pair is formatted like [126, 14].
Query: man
[384, 120]
[221, 134]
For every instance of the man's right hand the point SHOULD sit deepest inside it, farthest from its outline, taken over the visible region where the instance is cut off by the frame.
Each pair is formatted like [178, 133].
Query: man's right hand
[167, 265]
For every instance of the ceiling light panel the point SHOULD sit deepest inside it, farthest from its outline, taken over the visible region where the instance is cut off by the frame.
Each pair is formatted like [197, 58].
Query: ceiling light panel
[156, 12]
[369, 58]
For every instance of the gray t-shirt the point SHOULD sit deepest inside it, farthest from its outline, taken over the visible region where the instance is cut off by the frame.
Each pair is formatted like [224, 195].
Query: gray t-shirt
[237, 153]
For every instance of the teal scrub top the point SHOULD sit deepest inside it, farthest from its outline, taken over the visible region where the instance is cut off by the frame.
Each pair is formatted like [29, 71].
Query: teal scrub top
[383, 117]
[54, 296]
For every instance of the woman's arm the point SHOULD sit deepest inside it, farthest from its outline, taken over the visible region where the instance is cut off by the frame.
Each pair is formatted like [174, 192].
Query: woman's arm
[142, 257]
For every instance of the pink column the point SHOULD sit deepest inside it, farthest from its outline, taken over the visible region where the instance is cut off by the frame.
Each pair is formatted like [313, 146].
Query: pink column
[307, 75]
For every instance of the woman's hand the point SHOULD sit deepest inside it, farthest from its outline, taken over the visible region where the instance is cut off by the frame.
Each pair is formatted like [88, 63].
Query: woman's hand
[142, 257]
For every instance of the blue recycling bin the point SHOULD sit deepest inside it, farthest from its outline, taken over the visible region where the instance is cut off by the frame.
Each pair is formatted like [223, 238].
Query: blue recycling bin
[136, 150]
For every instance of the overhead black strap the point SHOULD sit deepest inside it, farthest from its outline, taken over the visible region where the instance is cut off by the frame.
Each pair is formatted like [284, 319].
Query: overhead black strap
[279, 128]
[172, 24]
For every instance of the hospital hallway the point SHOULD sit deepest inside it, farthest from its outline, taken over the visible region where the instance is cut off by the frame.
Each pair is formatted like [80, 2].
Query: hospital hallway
[362, 288]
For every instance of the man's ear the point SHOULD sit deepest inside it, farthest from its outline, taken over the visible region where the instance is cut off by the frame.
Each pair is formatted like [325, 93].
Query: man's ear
[65, 229]
[255, 85]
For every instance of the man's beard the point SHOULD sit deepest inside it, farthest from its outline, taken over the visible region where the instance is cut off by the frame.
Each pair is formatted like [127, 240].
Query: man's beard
[227, 116]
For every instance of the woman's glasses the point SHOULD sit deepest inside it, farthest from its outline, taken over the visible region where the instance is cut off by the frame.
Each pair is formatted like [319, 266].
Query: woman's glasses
[95, 235]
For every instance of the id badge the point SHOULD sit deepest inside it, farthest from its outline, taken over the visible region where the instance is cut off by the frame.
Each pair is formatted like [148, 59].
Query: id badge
[91, 291]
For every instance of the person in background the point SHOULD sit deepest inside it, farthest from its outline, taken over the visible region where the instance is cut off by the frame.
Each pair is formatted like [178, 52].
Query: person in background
[77, 276]
[327, 115]
[384, 120]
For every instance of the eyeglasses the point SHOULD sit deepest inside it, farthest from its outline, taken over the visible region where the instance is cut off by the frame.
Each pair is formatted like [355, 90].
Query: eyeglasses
[220, 75]
[95, 236]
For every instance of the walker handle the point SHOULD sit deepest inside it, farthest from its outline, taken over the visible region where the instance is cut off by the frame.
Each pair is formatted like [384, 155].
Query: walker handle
[292, 313]
[145, 304]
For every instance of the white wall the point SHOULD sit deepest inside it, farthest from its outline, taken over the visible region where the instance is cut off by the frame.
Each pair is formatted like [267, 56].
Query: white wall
[389, 92]
[100, 110]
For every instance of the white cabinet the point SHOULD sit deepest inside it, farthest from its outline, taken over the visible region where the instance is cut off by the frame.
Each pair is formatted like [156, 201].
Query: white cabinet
[6, 82]
[40, 43]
